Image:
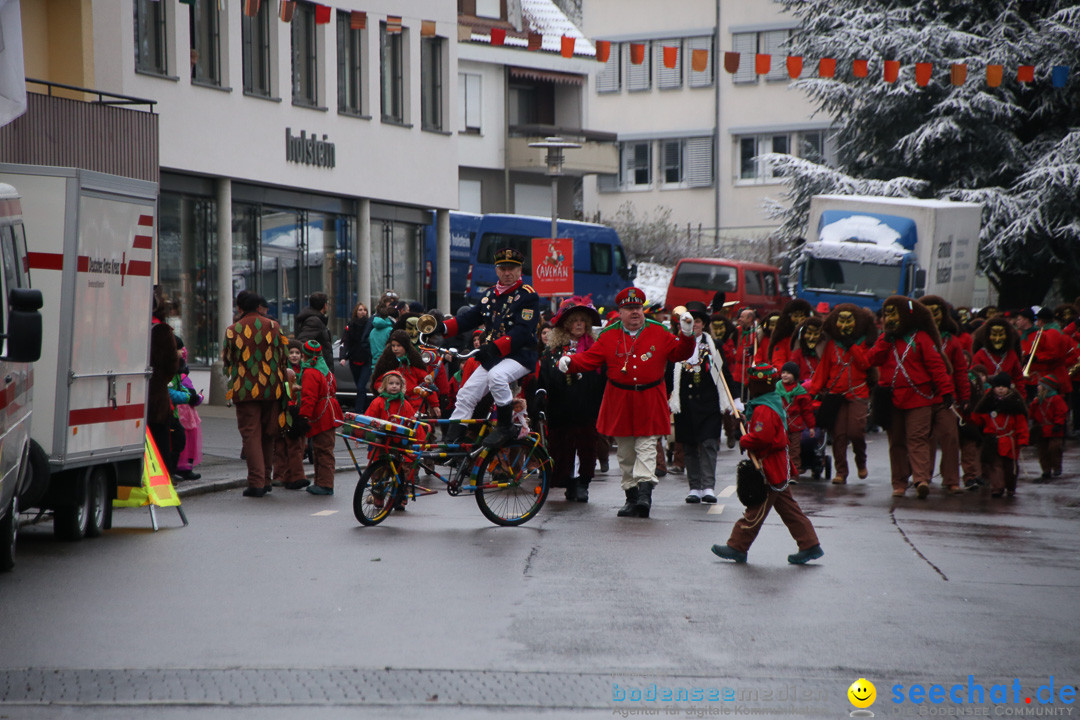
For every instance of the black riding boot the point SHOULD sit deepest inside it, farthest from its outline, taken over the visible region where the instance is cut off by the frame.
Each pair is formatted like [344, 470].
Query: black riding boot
[583, 489]
[644, 498]
[630, 508]
[454, 434]
[572, 488]
[503, 432]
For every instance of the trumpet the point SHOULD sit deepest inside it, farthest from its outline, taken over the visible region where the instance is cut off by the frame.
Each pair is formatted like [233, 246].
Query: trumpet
[1031, 356]
[426, 324]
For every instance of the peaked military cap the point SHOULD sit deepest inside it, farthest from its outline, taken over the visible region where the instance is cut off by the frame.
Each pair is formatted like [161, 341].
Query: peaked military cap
[509, 255]
[630, 296]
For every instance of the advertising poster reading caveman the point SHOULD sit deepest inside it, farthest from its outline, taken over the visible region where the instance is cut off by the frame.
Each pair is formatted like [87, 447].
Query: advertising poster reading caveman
[553, 266]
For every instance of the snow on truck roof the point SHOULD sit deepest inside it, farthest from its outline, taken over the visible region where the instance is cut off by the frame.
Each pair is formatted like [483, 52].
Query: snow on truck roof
[899, 201]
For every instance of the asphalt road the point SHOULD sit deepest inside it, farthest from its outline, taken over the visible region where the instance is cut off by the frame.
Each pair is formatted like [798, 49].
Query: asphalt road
[285, 607]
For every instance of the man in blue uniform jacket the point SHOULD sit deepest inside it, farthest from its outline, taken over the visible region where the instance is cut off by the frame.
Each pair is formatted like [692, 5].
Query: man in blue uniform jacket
[509, 312]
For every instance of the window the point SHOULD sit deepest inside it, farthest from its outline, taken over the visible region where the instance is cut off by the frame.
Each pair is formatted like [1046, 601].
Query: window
[750, 147]
[488, 8]
[255, 41]
[753, 282]
[749, 44]
[305, 57]
[150, 37]
[469, 103]
[773, 43]
[391, 61]
[668, 78]
[637, 164]
[608, 79]
[746, 45]
[812, 146]
[638, 77]
[204, 23]
[600, 258]
[350, 55]
[671, 157]
[703, 78]
[431, 83]
[706, 276]
[687, 162]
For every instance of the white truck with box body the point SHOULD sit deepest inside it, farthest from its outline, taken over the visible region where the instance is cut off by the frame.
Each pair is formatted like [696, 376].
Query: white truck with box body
[862, 249]
[91, 239]
[20, 346]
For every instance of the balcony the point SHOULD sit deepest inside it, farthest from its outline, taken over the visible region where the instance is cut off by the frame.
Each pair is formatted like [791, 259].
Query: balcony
[598, 153]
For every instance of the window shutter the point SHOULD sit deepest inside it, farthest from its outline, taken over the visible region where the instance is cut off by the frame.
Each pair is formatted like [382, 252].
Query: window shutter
[705, 77]
[773, 44]
[607, 183]
[607, 80]
[699, 162]
[639, 77]
[668, 77]
[746, 45]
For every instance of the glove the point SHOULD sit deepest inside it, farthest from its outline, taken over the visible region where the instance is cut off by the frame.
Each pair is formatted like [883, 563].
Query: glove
[947, 401]
[739, 406]
[564, 364]
[686, 323]
[194, 399]
[489, 352]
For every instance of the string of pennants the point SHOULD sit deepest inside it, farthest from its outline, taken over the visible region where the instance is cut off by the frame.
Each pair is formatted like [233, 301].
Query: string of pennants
[699, 57]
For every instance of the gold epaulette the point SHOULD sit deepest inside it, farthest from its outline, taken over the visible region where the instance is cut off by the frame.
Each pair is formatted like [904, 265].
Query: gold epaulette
[528, 288]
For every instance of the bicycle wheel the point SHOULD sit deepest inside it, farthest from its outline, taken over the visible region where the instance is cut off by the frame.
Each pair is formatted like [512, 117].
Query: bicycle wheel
[376, 493]
[512, 482]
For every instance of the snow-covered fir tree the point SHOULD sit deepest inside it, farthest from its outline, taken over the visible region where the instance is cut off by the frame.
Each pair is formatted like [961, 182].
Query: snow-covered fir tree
[1014, 148]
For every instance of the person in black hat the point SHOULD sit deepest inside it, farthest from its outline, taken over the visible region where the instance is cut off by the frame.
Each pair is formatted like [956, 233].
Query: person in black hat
[509, 312]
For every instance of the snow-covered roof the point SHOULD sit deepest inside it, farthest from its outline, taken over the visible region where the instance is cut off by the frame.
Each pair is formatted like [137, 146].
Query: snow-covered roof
[859, 228]
[544, 17]
[856, 252]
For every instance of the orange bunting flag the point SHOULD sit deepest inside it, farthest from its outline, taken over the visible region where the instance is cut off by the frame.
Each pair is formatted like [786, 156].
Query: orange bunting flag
[393, 24]
[860, 68]
[794, 66]
[536, 40]
[958, 74]
[923, 71]
[251, 8]
[285, 12]
[358, 20]
[994, 73]
[762, 63]
[826, 67]
[498, 36]
[637, 53]
[1025, 73]
[427, 28]
[567, 46]
[603, 50]
[731, 62]
[322, 14]
[699, 60]
[891, 71]
[671, 57]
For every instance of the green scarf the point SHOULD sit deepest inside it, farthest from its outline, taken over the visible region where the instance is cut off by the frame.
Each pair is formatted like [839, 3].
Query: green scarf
[789, 396]
[317, 362]
[395, 396]
[769, 399]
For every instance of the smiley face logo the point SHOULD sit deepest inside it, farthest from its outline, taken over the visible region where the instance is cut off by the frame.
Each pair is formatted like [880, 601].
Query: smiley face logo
[862, 693]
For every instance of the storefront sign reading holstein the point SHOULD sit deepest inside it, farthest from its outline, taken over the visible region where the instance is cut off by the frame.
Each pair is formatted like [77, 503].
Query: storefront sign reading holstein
[309, 150]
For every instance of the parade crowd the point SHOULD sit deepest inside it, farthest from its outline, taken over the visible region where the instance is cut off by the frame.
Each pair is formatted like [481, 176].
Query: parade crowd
[958, 393]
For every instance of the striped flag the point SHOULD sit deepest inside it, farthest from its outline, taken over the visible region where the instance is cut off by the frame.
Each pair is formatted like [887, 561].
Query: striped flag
[393, 24]
[358, 20]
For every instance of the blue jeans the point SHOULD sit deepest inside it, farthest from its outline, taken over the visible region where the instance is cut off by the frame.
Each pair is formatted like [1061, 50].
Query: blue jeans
[361, 375]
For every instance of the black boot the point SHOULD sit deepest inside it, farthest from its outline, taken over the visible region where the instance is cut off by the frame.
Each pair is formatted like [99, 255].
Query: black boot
[644, 498]
[630, 508]
[571, 489]
[503, 431]
[454, 433]
[583, 489]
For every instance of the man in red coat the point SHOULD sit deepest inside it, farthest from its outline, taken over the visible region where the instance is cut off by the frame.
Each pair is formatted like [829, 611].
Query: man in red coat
[767, 439]
[634, 410]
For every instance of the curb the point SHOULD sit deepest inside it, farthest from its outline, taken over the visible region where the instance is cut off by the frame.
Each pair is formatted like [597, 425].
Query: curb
[205, 487]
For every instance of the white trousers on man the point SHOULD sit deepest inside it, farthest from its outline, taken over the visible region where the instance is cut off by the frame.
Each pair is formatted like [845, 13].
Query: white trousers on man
[637, 459]
[495, 381]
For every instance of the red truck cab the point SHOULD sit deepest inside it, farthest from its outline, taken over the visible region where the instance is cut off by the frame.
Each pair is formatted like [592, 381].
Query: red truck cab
[749, 284]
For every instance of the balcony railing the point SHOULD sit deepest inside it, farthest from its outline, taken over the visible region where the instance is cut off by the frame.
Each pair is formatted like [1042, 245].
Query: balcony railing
[598, 152]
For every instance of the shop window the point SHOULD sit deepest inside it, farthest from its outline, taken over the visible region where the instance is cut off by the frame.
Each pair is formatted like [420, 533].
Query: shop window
[187, 262]
[257, 52]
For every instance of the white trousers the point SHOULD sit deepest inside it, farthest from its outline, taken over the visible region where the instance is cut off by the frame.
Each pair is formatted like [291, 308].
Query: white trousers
[637, 459]
[495, 381]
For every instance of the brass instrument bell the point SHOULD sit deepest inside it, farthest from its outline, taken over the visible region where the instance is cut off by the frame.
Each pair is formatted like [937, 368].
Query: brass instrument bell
[426, 324]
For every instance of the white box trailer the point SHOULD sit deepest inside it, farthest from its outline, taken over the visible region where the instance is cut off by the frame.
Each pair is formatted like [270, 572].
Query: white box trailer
[91, 239]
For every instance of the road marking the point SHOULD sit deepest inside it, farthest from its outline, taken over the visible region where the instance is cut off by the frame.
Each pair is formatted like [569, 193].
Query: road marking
[716, 509]
[726, 492]
[323, 513]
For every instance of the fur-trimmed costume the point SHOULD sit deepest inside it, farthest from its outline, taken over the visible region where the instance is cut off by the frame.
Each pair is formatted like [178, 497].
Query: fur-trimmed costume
[1002, 358]
[780, 338]
[1004, 422]
[945, 432]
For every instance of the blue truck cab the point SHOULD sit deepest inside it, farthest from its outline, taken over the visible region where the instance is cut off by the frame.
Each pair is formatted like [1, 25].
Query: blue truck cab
[861, 258]
[600, 263]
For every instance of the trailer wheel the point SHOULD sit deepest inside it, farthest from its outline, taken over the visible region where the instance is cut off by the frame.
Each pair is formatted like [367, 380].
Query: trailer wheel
[9, 531]
[70, 521]
[97, 502]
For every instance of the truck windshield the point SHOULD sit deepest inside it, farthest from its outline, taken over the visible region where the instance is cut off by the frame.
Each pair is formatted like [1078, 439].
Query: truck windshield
[706, 276]
[847, 276]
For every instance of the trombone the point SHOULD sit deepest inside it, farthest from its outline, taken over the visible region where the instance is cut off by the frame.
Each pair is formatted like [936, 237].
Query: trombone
[1031, 356]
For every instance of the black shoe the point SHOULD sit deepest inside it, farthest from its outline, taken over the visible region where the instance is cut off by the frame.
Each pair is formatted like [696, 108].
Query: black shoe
[630, 508]
[297, 484]
[728, 553]
[644, 498]
[582, 491]
[604, 466]
[503, 431]
[454, 434]
[188, 475]
[254, 492]
[804, 556]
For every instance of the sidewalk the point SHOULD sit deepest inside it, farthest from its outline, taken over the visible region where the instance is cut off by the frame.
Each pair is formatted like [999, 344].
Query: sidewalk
[222, 468]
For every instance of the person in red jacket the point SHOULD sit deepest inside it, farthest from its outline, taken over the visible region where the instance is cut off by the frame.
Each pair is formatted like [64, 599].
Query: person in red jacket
[842, 382]
[1003, 418]
[634, 410]
[1048, 415]
[780, 339]
[945, 433]
[319, 407]
[806, 347]
[745, 339]
[920, 380]
[401, 355]
[1054, 354]
[800, 413]
[996, 346]
[767, 439]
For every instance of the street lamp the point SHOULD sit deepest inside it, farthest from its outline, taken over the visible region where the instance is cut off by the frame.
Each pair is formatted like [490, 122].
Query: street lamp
[554, 161]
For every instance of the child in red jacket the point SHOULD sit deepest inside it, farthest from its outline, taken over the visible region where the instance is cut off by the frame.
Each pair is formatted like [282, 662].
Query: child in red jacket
[289, 447]
[1003, 418]
[1048, 414]
[800, 414]
[389, 401]
[767, 439]
[319, 407]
